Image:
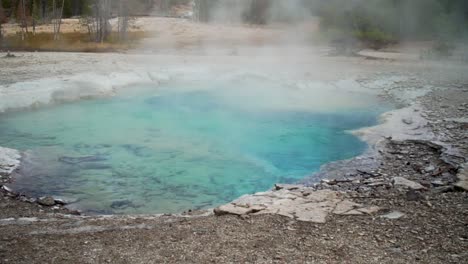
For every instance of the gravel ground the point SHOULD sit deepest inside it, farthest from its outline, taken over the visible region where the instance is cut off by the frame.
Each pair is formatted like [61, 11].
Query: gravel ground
[427, 225]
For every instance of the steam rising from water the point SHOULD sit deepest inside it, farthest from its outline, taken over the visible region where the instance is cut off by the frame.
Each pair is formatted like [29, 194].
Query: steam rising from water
[184, 144]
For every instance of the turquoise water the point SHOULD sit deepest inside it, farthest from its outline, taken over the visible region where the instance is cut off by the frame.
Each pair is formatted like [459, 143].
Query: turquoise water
[174, 150]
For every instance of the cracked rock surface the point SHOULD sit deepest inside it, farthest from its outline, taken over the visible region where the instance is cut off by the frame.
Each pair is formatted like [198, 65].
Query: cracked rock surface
[299, 203]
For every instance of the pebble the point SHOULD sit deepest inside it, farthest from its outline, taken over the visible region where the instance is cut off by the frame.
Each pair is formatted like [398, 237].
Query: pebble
[393, 215]
[429, 169]
[437, 183]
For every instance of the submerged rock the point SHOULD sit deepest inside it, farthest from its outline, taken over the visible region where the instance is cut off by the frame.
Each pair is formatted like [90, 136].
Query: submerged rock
[122, 204]
[78, 160]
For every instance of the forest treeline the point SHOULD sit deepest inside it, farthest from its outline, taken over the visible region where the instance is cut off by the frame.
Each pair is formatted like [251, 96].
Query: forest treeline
[382, 21]
[43, 9]
[375, 21]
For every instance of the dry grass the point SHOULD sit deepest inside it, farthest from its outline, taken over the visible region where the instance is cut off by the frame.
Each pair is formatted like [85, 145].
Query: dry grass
[69, 42]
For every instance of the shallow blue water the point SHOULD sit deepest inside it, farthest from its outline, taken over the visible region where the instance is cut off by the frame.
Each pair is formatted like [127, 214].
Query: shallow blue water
[171, 151]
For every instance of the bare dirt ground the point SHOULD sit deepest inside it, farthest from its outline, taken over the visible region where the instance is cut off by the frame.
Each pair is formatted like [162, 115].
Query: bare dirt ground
[158, 34]
[425, 221]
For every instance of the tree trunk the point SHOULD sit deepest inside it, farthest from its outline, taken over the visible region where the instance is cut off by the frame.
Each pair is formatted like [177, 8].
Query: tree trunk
[24, 22]
[76, 5]
[202, 10]
[2, 20]
[43, 9]
[59, 22]
[123, 20]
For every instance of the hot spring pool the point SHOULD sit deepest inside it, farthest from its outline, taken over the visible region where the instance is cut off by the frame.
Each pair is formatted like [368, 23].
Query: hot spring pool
[168, 150]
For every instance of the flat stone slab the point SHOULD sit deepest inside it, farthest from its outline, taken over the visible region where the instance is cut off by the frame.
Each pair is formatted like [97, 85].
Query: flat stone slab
[297, 202]
[400, 181]
[9, 161]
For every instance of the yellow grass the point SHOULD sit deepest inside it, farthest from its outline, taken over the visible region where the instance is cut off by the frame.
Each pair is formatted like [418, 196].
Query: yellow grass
[69, 42]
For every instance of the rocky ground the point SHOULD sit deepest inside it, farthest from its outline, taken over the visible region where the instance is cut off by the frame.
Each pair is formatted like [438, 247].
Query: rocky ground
[404, 201]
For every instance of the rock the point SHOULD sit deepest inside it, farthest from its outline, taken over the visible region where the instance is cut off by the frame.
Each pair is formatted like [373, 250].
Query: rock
[60, 202]
[297, 202]
[7, 189]
[395, 250]
[407, 121]
[75, 212]
[122, 204]
[414, 195]
[46, 201]
[429, 169]
[9, 161]
[462, 177]
[65, 200]
[437, 183]
[393, 215]
[9, 192]
[289, 187]
[369, 210]
[78, 160]
[347, 207]
[376, 184]
[236, 209]
[26, 199]
[400, 181]
[310, 212]
[327, 181]
[10, 55]
[444, 189]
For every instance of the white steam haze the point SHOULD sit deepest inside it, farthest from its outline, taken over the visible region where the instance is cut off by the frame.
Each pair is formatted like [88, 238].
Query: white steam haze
[289, 49]
[287, 23]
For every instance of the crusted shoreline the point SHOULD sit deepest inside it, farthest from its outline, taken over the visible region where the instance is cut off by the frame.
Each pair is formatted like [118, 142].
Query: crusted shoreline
[63, 89]
[402, 201]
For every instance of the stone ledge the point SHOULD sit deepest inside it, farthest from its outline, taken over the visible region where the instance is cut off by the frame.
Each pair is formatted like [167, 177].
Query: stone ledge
[297, 202]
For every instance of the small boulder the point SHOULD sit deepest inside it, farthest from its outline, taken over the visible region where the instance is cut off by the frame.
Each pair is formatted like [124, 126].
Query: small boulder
[46, 201]
[400, 181]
